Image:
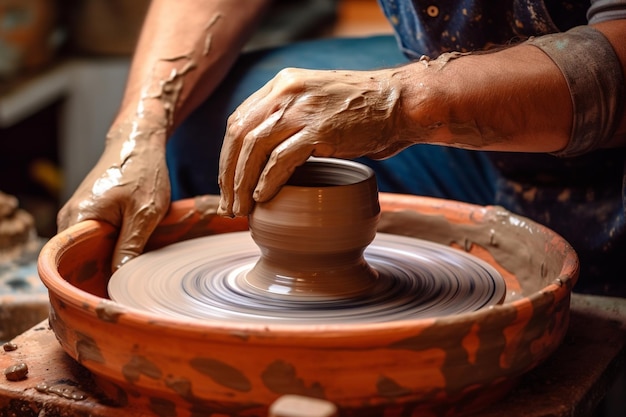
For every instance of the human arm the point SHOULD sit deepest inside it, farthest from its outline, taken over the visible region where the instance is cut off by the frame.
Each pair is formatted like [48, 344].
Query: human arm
[513, 99]
[184, 51]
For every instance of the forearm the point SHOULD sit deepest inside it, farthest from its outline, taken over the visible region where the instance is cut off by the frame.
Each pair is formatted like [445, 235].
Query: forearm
[515, 99]
[184, 51]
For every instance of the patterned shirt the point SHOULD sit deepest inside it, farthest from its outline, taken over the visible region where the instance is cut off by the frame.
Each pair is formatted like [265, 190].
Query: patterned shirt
[430, 27]
[583, 197]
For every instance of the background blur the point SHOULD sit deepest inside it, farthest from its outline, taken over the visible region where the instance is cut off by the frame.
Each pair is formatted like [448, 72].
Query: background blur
[63, 65]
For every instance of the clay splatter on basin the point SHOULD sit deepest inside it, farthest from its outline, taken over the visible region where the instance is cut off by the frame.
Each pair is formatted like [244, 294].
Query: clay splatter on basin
[437, 366]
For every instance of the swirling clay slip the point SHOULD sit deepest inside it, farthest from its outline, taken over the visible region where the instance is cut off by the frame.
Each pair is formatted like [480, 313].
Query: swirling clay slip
[446, 365]
[205, 278]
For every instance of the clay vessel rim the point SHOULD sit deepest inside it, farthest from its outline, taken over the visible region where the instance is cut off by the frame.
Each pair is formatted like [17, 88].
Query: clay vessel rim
[88, 303]
[338, 166]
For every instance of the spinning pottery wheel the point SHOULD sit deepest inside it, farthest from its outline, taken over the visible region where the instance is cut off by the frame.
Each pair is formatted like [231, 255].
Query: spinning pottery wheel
[303, 262]
[434, 365]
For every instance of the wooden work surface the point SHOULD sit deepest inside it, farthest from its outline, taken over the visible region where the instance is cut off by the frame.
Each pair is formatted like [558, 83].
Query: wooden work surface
[570, 383]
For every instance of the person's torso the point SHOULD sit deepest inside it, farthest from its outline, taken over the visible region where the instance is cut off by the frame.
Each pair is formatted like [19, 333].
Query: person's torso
[430, 27]
[582, 198]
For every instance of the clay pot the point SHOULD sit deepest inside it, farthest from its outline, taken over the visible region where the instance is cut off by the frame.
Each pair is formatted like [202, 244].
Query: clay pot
[312, 234]
[443, 366]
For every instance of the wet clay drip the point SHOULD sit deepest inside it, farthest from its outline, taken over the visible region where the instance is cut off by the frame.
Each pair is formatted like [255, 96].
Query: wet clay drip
[308, 265]
[64, 389]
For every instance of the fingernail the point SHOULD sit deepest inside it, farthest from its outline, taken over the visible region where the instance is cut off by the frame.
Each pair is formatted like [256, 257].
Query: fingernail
[122, 261]
[222, 208]
[224, 213]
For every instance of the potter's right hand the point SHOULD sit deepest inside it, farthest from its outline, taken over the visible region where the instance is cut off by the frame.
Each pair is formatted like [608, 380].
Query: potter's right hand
[302, 113]
[128, 188]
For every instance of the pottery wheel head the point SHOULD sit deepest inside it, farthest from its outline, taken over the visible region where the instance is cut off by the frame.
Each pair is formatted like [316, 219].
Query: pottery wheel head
[307, 261]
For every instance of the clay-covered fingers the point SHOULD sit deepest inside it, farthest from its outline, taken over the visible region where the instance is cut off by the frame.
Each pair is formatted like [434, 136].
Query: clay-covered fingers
[128, 188]
[258, 157]
[343, 114]
[143, 199]
[137, 226]
[248, 115]
[284, 159]
[89, 203]
[256, 127]
[134, 212]
[243, 160]
[247, 146]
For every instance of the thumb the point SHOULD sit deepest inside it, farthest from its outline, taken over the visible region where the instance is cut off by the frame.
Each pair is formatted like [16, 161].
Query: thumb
[131, 241]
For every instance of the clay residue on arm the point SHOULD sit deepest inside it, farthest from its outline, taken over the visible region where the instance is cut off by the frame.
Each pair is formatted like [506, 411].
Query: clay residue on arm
[184, 51]
[168, 90]
[510, 99]
[165, 82]
[209, 36]
[442, 60]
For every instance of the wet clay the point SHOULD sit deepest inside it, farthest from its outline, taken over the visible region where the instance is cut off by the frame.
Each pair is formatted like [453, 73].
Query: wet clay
[441, 60]
[64, 389]
[131, 174]
[313, 233]
[16, 372]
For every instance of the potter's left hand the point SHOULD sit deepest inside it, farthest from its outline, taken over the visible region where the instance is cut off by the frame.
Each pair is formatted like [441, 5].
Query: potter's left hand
[128, 188]
[302, 113]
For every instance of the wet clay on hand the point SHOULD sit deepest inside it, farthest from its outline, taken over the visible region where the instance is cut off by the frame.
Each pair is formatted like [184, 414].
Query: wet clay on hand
[128, 188]
[461, 100]
[302, 113]
[327, 113]
[172, 71]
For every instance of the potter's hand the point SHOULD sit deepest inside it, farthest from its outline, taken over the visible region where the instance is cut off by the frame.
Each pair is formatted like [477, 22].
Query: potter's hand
[128, 188]
[302, 113]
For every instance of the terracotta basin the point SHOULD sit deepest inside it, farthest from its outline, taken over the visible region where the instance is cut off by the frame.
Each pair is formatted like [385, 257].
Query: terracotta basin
[445, 366]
